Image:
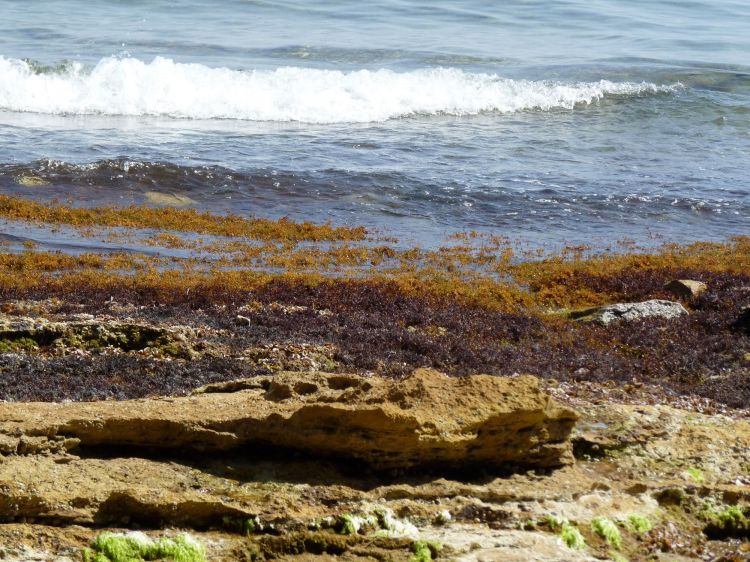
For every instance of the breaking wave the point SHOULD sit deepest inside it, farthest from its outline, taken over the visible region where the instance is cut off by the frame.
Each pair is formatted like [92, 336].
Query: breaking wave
[162, 87]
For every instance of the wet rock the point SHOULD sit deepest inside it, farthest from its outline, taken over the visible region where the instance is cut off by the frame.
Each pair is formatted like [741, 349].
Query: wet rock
[427, 419]
[629, 312]
[686, 288]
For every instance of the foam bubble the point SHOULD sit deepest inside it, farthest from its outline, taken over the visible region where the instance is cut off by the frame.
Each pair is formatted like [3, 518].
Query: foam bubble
[163, 87]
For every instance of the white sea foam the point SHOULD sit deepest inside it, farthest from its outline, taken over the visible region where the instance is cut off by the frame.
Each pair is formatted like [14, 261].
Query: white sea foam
[165, 88]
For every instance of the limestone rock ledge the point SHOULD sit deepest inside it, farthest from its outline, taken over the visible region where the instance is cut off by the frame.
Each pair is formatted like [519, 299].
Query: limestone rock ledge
[426, 419]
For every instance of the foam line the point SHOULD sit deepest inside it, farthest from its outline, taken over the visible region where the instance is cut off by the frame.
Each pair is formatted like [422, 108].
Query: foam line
[162, 87]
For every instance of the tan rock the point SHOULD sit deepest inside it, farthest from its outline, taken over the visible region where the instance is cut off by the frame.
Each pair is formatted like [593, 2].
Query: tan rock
[482, 544]
[686, 288]
[426, 419]
[645, 450]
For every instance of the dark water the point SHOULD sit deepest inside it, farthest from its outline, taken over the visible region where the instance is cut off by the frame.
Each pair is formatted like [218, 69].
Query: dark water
[547, 121]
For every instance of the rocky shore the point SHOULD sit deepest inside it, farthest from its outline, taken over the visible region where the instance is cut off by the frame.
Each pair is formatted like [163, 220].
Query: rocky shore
[471, 407]
[272, 468]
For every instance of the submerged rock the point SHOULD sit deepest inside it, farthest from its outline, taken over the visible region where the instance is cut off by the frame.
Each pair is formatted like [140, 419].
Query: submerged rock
[630, 312]
[686, 288]
[30, 180]
[168, 199]
[427, 419]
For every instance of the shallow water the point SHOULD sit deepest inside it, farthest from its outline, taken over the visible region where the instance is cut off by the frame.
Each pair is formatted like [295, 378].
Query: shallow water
[546, 121]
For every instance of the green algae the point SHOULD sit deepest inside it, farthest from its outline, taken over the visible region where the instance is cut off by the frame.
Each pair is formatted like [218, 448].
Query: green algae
[607, 530]
[638, 524]
[568, 533]
[572, 537]
[696, 474]
[17, 344]
[128, 337]
[345, 525]
[425, 551]
[136, 547]
[392, 526]
[731, 521]
[553, 522]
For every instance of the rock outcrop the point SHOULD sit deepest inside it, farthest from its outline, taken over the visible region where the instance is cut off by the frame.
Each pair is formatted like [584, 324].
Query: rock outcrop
[84, 332]
[634, 460]
[629, 312]
[427, 419]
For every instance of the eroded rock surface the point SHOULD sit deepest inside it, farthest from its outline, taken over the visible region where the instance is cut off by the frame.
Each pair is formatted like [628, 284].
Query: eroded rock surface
[670, 467]
[425, 419]
[85, 332]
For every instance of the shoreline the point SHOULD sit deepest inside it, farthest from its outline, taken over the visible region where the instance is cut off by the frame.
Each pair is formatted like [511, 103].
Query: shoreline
[654, 466]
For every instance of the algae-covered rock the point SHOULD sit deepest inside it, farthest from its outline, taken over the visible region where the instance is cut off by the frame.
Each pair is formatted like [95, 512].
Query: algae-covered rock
[630, 312]
[427, 419]
[732, 521]
[21, 333]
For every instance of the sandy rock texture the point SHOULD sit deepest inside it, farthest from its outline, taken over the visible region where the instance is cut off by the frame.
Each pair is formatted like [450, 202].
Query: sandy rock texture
[669, 466]
[425, 419]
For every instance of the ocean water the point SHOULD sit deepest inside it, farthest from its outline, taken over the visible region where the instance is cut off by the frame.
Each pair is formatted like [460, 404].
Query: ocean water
[550, 121]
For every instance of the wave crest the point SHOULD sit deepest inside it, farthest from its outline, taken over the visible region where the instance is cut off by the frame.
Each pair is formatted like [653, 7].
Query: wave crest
[131, 87]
